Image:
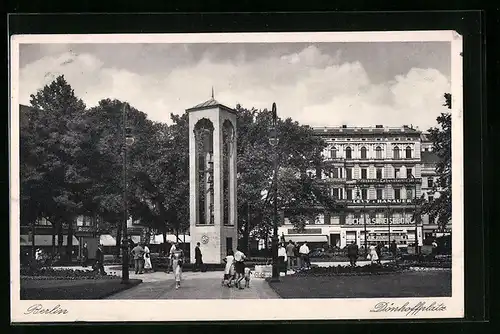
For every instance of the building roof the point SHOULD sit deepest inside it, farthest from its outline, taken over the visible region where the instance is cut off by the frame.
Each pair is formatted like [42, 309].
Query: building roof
[429, 157]
[212, 103]
[376, 130]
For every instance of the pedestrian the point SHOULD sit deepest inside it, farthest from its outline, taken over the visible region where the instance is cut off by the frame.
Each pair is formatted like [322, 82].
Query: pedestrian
[282, 260]
[85, 255]
[378, 249]
[304, 255]
[394, 249]
[298, 263]
[148, 266]
[239, 266]
[352, 253]
[229, 270]
[290, 253]
[177, 263]
[99, 260]
[138, 255]
[434, 247]
[372, 255]
[173, 248]
[198, 262]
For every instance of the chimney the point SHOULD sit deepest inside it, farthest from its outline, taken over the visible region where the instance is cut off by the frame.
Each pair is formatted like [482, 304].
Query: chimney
[344, 126]
[379, 126]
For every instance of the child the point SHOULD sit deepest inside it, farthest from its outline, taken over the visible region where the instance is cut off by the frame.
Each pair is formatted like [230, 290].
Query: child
[248, 272]
[229, 271]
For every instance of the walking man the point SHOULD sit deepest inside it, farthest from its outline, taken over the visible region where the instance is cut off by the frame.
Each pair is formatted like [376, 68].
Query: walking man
[352, 253]
[85, 255]
[304, 255]
[198, 257]
[138, 254]
[394, 249]
[99, 260]
[290, 253]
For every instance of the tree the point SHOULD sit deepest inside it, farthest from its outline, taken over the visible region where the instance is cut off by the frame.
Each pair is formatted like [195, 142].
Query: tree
[440, 207]
[54, 146]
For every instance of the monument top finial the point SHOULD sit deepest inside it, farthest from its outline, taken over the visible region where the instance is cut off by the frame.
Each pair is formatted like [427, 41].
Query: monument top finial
[212, 92]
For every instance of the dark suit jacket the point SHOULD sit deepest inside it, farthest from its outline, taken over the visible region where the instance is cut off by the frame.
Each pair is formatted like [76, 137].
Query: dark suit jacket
[352, 250]
[99, 255]
[197, 253]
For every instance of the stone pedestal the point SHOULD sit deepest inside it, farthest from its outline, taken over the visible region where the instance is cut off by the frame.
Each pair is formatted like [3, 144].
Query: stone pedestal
[212, 133]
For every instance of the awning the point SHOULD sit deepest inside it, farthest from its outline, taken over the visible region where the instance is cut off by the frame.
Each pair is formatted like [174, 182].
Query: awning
[158, 239]
[306, 238]
[107, 240]
[45, 240]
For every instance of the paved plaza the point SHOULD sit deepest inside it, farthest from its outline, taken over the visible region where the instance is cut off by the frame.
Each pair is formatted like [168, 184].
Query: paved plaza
[194, 285]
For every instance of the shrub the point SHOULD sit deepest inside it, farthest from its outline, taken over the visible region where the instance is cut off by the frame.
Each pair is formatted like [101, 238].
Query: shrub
[371, 269]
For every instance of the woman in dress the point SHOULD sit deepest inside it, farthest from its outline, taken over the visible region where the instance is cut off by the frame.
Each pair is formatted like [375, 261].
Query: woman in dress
[372, 256]
[229, 269]
[177, 263]
[147, 259]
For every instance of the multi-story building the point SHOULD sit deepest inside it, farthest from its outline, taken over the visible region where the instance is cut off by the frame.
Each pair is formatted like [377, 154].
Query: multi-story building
[377, 173]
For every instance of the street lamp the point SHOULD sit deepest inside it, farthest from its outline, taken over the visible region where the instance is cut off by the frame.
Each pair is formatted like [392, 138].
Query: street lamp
[128, 140]
[415, 215]
[273, 140]
[364, 222]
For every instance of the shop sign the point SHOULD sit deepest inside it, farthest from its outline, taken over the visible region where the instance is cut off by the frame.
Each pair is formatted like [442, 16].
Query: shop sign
[382, 201]
[306, 231]
[381, 221]
[382, 181]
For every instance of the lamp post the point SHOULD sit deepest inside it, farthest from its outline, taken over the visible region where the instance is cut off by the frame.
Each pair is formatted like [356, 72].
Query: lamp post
[415, 215]
[273, 140]
[364, 222]
[127, 141]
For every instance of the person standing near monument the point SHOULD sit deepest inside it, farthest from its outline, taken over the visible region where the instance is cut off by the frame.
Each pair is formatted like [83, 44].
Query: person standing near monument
[282, 260]
[177, 263]
[138, 254]
[239, 265]
[99, 260]
[198, 257]
[304, 255]
[290, 253]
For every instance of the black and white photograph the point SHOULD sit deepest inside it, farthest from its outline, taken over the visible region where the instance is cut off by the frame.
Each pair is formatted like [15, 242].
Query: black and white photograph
[265, 176]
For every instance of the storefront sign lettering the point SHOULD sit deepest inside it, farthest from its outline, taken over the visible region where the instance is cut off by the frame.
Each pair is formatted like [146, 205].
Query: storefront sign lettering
[306, 231]
[381, 221]
[382, 201]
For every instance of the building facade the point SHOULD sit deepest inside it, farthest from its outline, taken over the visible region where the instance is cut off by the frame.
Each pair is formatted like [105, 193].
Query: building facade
[377, 173]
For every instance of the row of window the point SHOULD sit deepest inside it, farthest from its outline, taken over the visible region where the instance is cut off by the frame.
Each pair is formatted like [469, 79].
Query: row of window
[398, 173]
[352, 194]
[378, 153]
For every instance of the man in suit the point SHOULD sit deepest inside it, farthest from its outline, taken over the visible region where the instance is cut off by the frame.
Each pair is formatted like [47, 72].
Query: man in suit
[138, 254]
[352, 253]
[99, 260]
[198, 257]
[85, 255]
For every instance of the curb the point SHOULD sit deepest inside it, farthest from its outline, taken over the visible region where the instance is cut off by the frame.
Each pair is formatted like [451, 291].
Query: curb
[124, 287]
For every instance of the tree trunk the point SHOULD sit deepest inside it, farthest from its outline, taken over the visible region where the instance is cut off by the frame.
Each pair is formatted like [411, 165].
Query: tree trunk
[69, 241]
[118, 240]
[60, 236]
[164, 234]
[33, 233]
[54, 233]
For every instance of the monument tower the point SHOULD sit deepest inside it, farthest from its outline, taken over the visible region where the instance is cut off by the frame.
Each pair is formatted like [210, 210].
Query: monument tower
[212, 180]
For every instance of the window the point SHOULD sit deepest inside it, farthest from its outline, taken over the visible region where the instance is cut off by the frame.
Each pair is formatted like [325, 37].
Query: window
[430, 182]
[364, 193]
[379, 193]
[363, 173]
[378, 152]
[396, 172]
[408, 152]
[363, 152]
[397, 193]
[379, 173]
[396, 153]
[409, 193]
[229, 243]
[348, 172]
[408, 173]
[348, 153]
[333, 153]
[335, 173]
[349, 194]
[336, 193]
[430, 198]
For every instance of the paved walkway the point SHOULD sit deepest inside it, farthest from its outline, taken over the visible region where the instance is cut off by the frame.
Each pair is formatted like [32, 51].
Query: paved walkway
[194, 285]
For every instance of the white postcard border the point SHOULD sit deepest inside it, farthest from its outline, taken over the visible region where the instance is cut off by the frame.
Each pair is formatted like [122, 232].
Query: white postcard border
[233, 310]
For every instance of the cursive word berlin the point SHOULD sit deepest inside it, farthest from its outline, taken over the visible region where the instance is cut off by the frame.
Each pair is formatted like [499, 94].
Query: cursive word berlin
[39, 309]
[409, 309]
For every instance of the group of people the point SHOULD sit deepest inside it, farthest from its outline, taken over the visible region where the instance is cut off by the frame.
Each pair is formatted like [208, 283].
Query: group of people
[142, 258]
[292, 256]
[373, 254]
[235, 270]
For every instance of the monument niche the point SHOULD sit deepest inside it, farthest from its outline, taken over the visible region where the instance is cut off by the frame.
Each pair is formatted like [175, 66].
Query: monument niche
[212, 180]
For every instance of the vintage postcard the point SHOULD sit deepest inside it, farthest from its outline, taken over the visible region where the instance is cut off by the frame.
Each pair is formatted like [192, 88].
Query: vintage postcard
[236, 176]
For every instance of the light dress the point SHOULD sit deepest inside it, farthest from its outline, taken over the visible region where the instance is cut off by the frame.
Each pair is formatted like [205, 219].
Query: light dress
[177, 256]
[372, 256]
[147, 258]
[229, 270]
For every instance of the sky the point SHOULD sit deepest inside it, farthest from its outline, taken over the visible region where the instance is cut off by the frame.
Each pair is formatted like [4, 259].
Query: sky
[319, 84]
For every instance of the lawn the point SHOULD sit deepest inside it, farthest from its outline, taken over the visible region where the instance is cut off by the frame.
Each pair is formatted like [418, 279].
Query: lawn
[406, 284]
[34, 289]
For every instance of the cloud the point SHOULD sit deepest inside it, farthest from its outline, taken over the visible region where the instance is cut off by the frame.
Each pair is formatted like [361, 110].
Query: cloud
[310, 86]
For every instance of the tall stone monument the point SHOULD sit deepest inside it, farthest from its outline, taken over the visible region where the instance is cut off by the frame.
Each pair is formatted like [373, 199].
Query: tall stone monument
[212, 180]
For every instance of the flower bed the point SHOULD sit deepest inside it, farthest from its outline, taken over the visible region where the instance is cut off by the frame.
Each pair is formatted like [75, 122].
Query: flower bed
[372, 269]
[44, 273]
